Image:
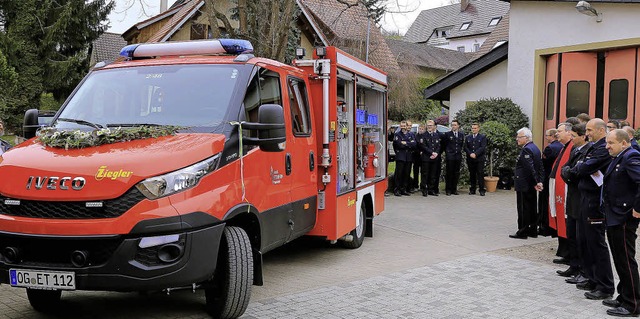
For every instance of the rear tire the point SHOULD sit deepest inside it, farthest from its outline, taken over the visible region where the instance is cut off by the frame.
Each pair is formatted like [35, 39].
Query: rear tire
[228, 293]
[359, 231]
[45, 301]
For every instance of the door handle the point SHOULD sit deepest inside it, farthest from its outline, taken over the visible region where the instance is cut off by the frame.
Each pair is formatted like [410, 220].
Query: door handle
[287, 164]
[312, 161]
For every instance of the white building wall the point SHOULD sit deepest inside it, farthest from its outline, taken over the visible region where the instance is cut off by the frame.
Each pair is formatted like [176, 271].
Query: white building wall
[466, 42]
[490, 83]
[540, 25]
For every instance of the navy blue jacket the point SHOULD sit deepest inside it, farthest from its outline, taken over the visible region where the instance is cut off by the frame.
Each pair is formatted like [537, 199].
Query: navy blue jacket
[453, 146]
[596, 159]
[635, 145]
[403, 150]
[477, 145]
[621, 188]
[429, 143]
[574, 197]
[529, 170]
[549, 156]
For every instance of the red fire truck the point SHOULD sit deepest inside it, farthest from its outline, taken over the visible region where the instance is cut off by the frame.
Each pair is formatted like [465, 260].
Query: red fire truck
[264, 153]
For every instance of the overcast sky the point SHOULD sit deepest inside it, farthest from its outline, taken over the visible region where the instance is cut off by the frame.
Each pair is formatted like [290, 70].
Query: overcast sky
[401, 13]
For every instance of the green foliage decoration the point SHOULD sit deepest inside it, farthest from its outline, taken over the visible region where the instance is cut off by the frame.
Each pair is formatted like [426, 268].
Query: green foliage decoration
[69, 139]
[499, 143]
[500, 110]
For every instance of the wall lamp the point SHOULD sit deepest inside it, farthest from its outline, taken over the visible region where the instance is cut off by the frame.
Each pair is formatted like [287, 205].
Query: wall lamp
[586, 9]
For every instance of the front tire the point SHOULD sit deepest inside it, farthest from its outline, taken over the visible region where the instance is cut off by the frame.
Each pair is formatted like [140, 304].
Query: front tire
[45, 301]
[228, 293]
[359, 231]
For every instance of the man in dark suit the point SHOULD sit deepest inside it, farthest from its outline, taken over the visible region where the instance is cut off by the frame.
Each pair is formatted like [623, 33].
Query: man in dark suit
[632, 141]
[454, 141]
[429, 145]
[572, 201]
[621, 204]
[415, 160]
[475, 146]
[549, 155]
[595, 258]
[528, 179]
[403, 143]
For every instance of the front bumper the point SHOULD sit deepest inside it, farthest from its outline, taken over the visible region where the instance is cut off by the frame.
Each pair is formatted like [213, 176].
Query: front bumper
[117, 263]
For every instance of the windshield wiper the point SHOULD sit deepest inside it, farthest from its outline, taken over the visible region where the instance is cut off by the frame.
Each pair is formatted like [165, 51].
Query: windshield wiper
[82, 122]
[132, 124]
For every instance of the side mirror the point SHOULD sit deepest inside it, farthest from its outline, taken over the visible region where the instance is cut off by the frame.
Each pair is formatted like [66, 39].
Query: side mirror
[30, 125]
[270, 127]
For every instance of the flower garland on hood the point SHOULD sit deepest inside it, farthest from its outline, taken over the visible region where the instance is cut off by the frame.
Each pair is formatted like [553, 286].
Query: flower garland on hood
[50, 136]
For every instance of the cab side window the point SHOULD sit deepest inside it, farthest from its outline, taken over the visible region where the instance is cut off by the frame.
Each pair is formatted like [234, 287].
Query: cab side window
[264, 88]
[298, 100]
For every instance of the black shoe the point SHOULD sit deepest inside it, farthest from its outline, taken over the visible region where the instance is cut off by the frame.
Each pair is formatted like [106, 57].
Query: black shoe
[518, 236]
[561, 260]
[597, 295]
[405, 194]
[412, 190]
[570, 272]
[611, 303]
[425, 194]
[448, 194]
[588, 286]
[472, 192]
[577, 279]
[397, 194]
[481, 193]
[533, 234]
[455, 193]
[621, 312]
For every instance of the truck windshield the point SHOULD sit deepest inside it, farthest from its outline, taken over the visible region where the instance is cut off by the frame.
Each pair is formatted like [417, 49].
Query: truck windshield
[191, 96]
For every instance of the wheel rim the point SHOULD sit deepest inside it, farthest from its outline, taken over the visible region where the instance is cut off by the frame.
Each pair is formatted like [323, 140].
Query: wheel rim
[360, 227]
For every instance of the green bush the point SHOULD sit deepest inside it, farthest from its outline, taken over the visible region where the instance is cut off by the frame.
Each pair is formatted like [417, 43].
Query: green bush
[500, 146]
[499, 111]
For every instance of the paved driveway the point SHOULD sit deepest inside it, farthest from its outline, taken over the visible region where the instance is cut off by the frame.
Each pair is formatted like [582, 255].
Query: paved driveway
[434, 257]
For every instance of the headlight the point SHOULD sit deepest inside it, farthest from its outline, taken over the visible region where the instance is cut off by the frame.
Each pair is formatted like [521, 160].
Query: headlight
[177, 181]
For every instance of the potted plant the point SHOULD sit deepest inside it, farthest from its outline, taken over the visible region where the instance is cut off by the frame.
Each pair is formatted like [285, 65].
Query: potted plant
[500, 147]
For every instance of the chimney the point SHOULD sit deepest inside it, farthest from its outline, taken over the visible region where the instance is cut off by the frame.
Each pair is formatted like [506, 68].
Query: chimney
[163, 6]
[464, 4]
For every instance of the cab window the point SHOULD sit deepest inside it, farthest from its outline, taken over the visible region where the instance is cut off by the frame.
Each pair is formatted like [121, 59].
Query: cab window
[300, 119]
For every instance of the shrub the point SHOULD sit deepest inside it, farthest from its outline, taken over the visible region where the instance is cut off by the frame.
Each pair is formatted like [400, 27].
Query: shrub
[442, 120]
[500, 111]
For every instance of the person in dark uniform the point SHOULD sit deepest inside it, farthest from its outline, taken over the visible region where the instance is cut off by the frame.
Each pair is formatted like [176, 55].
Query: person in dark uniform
[572, 202]
[632, 141]
[549, 155]
[595, 258]
[528, 179]
[429, 144]
[403, 142]
[475, 145]
[621, 204]
[416, 162]
[612, 125]
[454, 141]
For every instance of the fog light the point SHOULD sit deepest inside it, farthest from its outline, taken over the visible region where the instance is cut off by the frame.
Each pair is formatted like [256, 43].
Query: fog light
[170, 253]
[12, 254]
[79, 258]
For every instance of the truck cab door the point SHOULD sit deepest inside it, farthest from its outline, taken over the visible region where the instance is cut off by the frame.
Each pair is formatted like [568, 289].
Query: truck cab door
[300, 157]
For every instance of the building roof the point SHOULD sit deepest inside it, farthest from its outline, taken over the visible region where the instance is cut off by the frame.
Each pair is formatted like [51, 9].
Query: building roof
[478, 12]
[441, 89]
[500, 35]
[427, 56]
[346, 28]
[184, 13]
[107, 47]
[133, 30]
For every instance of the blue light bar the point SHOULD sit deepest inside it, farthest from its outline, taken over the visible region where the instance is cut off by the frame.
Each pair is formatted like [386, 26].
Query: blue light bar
[202, 47]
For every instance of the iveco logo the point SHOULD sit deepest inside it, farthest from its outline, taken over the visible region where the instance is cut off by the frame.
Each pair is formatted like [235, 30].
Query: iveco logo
[53, 182]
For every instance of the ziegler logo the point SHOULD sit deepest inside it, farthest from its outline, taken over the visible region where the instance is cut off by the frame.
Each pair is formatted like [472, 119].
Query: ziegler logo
[104, 172]
[54, 182]
[350, 202]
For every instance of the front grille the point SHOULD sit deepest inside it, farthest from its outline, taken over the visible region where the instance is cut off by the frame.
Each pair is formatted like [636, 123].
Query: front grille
[72, 210]
[56, 252]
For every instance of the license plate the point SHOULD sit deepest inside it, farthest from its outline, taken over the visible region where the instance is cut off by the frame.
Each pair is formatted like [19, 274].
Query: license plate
[40, 279]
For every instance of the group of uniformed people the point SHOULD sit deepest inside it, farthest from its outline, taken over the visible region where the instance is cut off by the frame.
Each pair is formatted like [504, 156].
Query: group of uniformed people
[594, 191]
[424, 152]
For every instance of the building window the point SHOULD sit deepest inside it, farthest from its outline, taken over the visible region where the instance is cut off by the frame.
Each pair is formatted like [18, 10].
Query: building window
[618, 99]
[198, 31]
[494, 21]
[461, 49]
[476, 47]
[551, 99]
[465, 26]
[577, 98]
[441, 33]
